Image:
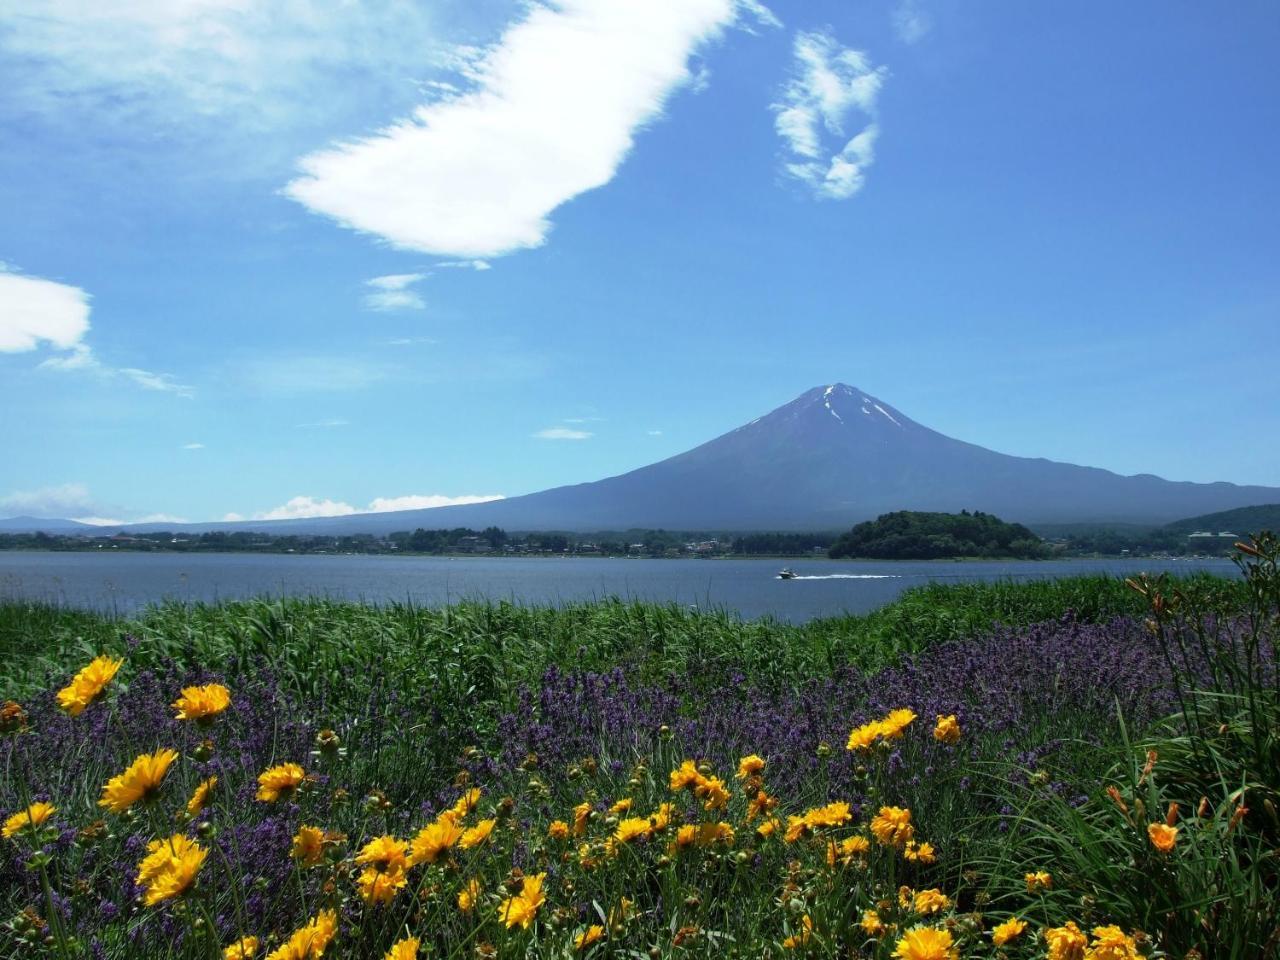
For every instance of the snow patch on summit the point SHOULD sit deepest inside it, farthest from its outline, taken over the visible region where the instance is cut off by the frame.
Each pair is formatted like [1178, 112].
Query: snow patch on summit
[826, 399]
[887, 414]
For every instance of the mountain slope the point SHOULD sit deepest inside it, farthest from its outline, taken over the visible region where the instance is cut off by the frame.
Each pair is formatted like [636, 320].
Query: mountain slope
[830, 458]
[1241, 520]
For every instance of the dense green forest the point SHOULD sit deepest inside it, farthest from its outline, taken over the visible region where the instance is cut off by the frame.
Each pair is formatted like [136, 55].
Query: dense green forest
[913, 535]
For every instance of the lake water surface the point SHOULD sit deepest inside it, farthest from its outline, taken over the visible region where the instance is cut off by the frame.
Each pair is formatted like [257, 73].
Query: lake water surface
[125, 582]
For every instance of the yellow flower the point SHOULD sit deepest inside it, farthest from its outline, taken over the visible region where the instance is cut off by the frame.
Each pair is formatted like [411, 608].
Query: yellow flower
[469, 895]
[926, 943]
[202, 703]
[558, 830]
[309, 942]
[1162, 836]
[768, 828]
[1040, 880]
[87, 685]
[749, 766]
[919, 852]
[1004, 932]
[622, 806]
[1111, 943]
[685, 776]
[523, 908]
[847, 850]
[802, 938]
[897, 721]
[380, 886]
[30, 818]
[712, 790]
[279, 781]
[892, 826]
[861, 738]
[242, 949]
[405, 949]
[581, 813]
[947, 729]
[434, 839]
[385, 853]
[308, 846]
[477, 835]
[760, 805]
[588, 936]
[632, 828]
[1066, 943]
[201, 796]
[169, 868]
[138, 782]
[871, 923]
[467, 802]
[930, 901]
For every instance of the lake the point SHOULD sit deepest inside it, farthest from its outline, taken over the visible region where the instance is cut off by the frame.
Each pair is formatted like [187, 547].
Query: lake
[124, 582]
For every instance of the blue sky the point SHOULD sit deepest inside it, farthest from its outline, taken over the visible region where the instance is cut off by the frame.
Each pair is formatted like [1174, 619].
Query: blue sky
[286, 259]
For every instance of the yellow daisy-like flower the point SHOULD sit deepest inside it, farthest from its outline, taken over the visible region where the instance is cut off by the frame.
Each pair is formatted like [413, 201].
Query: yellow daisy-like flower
[28, 819]
[581, 814]
[139, 781]
[477, 835]
[919, 852]
[930, 901]
[768, 828]
[434, 839]
[467, 802]
[308, 846]
[1012, 928]
[622, 806]
[797, 940]
[632, 828]
[521, 909]
[279, 781]
[386, 853]
[202, 703]
[1066, 943]
[926, 943]
[1162, 836]
[760, 805]
[558, 830]
[406, 949]
[861, 738]
[169, 868]
[309, 942]
[947, 729]
[469, 895]
[1039, 880]
[871, 924]
[87, 685]
[202, 796]
[847, 850]
[242, 949]
[749, 766]
[892, 827]
[380, 886]
[588, 936]
[685, 776]
[896, 722]
[1112, 943]
[713, 792]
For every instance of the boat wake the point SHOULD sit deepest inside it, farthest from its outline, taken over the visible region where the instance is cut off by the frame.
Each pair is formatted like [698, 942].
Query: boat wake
[847, 576]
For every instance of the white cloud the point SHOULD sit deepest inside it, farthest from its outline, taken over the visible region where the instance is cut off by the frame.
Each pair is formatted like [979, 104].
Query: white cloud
[295, 375]
[193, 446]
[654, 433]
[562, 433]
[408, 341]
[910, 22]
[325, 424]
[64, 500]
[464, 265]
[829, 86]
[307, 507]
[393, 292]
[552, 111]
[33, 311]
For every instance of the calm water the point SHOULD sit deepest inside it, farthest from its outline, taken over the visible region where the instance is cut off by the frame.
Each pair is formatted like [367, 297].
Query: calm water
[123, 582]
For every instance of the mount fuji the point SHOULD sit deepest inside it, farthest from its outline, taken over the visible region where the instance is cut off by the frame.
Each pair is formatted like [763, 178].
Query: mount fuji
[832, 457]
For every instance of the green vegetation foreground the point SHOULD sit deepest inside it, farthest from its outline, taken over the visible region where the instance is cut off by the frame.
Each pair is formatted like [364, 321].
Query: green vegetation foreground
[1079, 770]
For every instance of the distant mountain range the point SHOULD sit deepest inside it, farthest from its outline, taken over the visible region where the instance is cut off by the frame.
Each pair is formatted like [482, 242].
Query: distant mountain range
[832, 457]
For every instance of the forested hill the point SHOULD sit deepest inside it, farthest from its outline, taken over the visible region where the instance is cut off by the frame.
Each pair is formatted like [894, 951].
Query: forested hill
[913, 535]
[1241, 520]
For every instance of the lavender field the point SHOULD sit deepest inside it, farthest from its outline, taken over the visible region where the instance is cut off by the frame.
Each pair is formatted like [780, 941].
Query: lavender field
[1093, 781]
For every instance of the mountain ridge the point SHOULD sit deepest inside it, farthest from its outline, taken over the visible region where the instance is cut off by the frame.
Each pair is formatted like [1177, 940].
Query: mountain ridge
[834, 456]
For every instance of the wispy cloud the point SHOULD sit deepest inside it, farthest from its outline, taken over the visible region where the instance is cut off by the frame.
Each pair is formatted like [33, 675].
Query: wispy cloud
[830, 85]
[61, 501]
[408, 341]
[303, 507]
[550, 112]
[296, 375]
[35, 312]
[654, 433]
[563, 433]
[325, 424]
[394, 292]
[464, 265]
[911, 21]
[193, 446]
